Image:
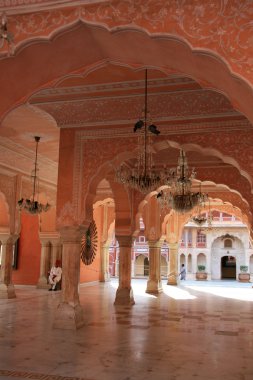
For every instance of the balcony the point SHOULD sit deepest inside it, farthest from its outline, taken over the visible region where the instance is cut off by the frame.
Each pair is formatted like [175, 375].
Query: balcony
[201, 244]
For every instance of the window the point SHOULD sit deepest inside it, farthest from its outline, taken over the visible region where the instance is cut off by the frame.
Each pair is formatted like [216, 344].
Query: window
[201, 238]
[227, 243]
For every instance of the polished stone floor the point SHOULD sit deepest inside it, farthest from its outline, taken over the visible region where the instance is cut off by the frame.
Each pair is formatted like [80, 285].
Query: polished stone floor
[198, 330]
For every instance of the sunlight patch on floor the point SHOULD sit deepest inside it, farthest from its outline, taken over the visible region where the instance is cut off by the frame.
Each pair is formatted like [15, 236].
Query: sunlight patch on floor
[139, 289]
[226, 292]
[177, 293]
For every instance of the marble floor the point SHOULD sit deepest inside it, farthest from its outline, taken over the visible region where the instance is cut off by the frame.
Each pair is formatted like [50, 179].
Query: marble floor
[198, 330]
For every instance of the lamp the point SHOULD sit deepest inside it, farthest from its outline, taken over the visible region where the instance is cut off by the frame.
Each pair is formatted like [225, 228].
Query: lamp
[5, 35]
[179, 197]
[33, 206]
[143, 177]
[200, 218]
[209, 221]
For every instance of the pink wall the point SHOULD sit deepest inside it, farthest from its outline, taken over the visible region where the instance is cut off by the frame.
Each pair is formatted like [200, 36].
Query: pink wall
[90, 272]
[29, 252]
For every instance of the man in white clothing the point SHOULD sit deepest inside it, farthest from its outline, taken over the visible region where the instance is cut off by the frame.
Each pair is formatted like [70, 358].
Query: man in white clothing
[55, 275]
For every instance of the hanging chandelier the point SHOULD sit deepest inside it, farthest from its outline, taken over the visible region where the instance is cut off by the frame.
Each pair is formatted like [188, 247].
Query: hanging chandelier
[5, 35]
[32, 205]
[143, 176]
[179, 196]
[208, 226]
[200, 218]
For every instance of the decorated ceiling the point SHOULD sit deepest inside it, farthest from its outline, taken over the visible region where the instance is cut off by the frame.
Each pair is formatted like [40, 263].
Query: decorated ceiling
[80, 64]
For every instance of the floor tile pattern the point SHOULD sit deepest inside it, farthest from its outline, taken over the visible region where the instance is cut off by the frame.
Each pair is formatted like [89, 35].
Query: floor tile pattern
[193, 331]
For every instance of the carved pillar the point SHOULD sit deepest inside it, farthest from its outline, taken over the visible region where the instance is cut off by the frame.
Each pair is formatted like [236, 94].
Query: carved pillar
[194, 237]
[104, 263]
[7, 289]
[69, 313]
[173, 264]
[194, 262]
[44, 265]
[124, 294]
[154, 284]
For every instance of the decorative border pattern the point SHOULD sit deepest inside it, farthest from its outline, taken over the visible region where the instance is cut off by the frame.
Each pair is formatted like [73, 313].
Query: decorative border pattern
[190, 128]
[38, 376]
[220, 26]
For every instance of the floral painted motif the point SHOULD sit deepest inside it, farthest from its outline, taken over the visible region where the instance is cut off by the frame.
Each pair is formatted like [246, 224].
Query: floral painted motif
[220, 26]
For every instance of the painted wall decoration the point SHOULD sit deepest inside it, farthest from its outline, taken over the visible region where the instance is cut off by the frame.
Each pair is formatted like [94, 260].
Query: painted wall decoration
[89, 244]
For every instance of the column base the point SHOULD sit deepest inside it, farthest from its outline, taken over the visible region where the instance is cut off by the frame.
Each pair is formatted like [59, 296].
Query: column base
[68, 317]
[42, 283]
[154, 287]
[124, 296]
[105, 278]
[7, 291]
[172, 279]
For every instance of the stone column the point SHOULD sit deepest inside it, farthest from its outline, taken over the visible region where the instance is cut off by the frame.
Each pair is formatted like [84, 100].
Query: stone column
[7, 289]
[194, 262]
[43, 283]
[194, 237]
[124, 294]
[173, 264]
[69, 313]
[104, 275]
[154, 284]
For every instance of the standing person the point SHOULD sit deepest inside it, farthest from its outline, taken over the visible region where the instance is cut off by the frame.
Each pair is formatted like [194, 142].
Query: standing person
[182, 272]
[55, 275]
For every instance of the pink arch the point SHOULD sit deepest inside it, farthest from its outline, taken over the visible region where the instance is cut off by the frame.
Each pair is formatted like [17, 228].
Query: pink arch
[89, 45]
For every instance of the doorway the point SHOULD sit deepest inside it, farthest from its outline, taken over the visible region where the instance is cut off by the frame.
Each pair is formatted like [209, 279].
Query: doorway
[146, 267]
[228, 267]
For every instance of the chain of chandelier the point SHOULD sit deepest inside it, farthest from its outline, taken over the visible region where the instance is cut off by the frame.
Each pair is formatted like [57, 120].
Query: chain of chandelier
[32, 205]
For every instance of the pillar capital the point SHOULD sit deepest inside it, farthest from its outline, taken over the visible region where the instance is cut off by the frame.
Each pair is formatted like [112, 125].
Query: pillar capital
[44, 242]
[124, 241]
[155, 243]
[7, 238]
[72, 234]
[173, 246]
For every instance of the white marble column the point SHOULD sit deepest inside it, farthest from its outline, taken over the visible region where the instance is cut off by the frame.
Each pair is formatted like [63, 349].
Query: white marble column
[104, 275]
[173, 264]
[7, 289]
[69, 313]
[194, 237]
[42, 282]
[154, 284]
[124, 294]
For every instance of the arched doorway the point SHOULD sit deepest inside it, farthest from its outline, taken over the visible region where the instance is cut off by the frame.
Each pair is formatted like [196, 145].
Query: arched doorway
[146, 267]
[228, 267]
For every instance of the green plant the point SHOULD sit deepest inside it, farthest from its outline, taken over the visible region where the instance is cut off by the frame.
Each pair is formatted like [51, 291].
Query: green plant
[201, 268]
[244, 268]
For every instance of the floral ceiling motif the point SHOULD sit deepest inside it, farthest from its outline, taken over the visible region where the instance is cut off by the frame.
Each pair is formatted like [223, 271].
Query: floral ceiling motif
[163, 106]
[220, 26]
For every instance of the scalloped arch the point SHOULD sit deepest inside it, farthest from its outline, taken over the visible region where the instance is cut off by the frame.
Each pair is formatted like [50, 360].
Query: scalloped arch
[158, 146]
[236, 235]
[205, 67]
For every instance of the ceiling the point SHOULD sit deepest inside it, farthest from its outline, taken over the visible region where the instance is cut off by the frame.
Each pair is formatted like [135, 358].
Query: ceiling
[113, 96]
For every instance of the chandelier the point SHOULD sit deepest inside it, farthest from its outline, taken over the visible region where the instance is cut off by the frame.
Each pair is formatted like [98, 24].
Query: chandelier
[143, 177]
[179, 196]
[32, 205]
[200, 218]
[209, 221]
[5, 35]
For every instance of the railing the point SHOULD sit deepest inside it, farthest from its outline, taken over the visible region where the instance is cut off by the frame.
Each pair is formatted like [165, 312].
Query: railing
[201, 244]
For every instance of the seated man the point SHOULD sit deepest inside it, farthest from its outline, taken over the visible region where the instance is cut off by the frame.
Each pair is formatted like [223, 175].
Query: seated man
[55, 275]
